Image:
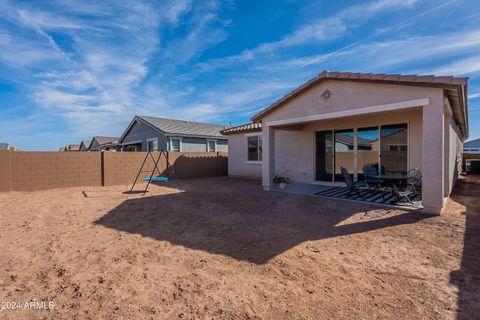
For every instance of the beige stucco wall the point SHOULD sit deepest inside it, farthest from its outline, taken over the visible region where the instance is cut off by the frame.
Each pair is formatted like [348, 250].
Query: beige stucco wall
[238, 166]
[348, 95]
[295, 150]
[453, 154]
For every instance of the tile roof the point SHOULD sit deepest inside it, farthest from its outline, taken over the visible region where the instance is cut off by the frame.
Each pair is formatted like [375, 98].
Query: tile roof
[3, 146]
[184, 128]
[472, 144]
[248, 127]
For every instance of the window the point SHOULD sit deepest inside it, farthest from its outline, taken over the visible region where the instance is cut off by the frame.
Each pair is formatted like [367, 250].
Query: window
[211, 146]
[255, 148]
[174, 144]
[152, 144]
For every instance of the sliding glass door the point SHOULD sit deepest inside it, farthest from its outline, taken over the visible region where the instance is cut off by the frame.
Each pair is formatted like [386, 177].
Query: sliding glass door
[324, 155]
[368, 149]
[394, 148]
[384, 147]
[344, 152]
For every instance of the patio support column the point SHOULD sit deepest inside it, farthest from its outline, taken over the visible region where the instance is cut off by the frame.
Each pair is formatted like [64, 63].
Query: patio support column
[268, 160]
[433, 158]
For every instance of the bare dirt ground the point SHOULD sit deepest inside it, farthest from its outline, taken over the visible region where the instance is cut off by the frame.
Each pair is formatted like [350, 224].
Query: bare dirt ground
[224, 249]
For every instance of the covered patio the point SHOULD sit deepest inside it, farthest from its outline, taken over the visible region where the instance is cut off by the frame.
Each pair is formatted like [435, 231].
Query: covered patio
[344, 193]
[394, 125]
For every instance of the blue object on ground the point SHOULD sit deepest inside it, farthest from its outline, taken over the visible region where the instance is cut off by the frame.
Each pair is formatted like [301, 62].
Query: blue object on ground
[156, 179]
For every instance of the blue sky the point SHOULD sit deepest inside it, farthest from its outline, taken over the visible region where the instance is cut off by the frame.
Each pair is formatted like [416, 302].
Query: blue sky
[72, 69]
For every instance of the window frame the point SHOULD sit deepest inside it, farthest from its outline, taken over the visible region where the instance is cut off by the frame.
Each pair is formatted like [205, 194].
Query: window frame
[148, 144]
[214, 145]
[179, 144]
[259, 147]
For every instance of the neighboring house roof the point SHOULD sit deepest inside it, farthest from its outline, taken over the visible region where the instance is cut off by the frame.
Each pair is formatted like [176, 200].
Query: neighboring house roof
[244, 128]
[62, 149]
[454, 87]
[73, 147]
[104, 141]
[472, 144]
[173, 127]
[3, 146]
[85, 143]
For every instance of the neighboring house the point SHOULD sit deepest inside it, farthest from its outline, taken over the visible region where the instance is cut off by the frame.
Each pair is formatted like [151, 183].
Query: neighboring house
[3, 146]
[471, 156]
[62, 148]
[84, 145]
[72, 147]
[396, 122]
[99, 143]
[155, 134]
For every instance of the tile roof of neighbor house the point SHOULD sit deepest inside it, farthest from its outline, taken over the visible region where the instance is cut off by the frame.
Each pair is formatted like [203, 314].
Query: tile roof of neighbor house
[105, 140]
[86, 143]
[3, 146]
[472, 144]
[248, 127]
[455, 87]
[182, 127]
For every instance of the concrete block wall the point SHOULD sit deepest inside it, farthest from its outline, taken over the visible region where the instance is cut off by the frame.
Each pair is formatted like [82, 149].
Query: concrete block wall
[46, 170]
[31, 171]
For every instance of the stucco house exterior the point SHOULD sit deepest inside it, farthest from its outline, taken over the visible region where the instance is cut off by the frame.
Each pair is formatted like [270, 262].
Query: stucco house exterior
[396, 122]
[145, 133]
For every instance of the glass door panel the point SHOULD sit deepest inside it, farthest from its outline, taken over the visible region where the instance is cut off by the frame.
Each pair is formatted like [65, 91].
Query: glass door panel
[394, 148]
[324, 156]
[368, 149]
[344, 153]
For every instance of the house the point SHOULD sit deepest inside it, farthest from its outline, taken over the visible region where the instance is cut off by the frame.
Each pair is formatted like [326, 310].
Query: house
[396, 122]
[72, 147]
[84, 145]
[99, 143]
[3, 146]
[471, 156]
[153, 134]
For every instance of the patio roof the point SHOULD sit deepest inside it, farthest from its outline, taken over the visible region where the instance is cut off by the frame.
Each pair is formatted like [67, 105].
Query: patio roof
[455, 89]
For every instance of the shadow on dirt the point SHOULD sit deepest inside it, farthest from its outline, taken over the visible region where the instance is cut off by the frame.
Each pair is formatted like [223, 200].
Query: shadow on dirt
[467, 278]
[241, 221]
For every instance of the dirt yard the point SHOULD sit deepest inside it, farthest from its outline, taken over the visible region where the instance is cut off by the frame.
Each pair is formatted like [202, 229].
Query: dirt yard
[224, 249]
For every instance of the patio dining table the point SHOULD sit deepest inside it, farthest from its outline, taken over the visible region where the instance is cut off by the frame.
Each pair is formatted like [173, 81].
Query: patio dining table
[388, 180]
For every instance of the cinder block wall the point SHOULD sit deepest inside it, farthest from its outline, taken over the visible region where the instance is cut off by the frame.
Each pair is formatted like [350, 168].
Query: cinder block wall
[5, 171]
[30, 171]
[122, 167]
[46, 170]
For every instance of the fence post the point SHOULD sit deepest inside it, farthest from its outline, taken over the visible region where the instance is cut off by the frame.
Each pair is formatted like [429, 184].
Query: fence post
[102, 167]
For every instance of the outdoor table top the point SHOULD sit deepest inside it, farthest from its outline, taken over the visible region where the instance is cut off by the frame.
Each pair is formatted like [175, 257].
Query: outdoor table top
[391, 177]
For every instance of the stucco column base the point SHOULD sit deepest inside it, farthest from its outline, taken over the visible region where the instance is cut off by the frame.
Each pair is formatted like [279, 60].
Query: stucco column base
[267, 188]
[432, 210]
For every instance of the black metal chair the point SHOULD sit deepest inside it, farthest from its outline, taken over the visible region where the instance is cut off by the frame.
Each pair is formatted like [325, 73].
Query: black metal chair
[370, 174]
[412, 186]
[354, 186]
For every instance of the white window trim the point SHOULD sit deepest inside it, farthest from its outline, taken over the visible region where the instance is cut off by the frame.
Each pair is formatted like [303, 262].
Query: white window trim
[180, 144]
[152, 139]
[215, 148]
[249, 135]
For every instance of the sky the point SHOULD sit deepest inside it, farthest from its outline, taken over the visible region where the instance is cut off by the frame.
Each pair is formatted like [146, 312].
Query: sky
[73, 69]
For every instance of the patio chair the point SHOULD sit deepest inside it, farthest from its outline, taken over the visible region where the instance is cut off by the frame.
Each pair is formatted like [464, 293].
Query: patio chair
[369, 172]
[414, 177]
[411, 187]
[354, 186]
